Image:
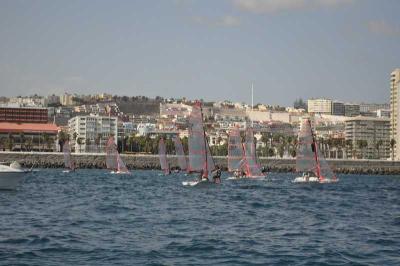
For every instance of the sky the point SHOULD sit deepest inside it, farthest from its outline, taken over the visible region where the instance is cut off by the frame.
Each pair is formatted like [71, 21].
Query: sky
[205, 49]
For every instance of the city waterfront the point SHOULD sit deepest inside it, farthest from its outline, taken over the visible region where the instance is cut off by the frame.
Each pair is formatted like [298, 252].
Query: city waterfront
[92, 217]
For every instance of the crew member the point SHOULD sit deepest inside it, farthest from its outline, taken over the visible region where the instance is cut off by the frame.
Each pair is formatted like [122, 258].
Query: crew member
[217, 175]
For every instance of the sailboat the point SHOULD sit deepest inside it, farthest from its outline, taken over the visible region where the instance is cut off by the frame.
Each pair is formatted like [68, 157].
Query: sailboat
[69, 164]
[236, 158]
[180, 153]
[200, 159]
[114, 161]
[163, 157]
[252, 167]
[310, 161]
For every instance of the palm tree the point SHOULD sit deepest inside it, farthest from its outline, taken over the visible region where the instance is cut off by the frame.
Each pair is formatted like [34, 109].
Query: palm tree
[45, 138]
[361, 144]
[87, 144]
[21, 140]
[10, 142]
[49, 142]
[97, 141]
[378, 145]
[62, 138]
[392, 143]
[75, 137]
[349, 146]
[28, 143]
[79, 142]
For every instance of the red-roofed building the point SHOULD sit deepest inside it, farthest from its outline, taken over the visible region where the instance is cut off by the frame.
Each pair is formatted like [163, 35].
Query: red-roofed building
[28, 136]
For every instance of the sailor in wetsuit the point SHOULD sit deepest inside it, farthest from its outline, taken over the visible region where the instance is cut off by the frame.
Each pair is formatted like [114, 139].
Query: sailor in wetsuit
[217, 175]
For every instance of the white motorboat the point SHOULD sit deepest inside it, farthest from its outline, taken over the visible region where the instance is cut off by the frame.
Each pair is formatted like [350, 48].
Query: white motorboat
[11, 175]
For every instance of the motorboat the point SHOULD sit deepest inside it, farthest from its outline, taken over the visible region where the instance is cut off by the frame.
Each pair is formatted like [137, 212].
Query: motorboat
[11, 175]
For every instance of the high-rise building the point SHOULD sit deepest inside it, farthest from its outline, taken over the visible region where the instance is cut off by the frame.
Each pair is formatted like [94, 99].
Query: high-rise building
[92, 132]
[394, 109]
[369, 137]
[319, 106]
[337, 108]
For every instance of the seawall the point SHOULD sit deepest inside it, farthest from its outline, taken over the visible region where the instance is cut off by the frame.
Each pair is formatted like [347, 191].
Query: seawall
[96, 160]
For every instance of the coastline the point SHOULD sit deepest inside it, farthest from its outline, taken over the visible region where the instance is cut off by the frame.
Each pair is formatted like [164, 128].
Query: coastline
[141, 161]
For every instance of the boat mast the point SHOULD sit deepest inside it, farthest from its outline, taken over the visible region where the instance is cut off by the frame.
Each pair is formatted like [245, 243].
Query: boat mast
[314, 143]
[205, 140]
[252, 103]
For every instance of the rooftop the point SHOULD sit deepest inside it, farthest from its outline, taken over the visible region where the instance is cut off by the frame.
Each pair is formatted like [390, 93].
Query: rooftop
[28, 127]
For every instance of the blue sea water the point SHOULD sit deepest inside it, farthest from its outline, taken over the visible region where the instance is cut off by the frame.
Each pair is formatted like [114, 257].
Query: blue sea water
[92, 217]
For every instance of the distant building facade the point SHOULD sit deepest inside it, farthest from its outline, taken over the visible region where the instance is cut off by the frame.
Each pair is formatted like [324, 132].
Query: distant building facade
[351, 109]
[374, 131]
[319, 106]
[338, 108]
[66, 99]
[92, 131]
[23, 115]
[28, 136]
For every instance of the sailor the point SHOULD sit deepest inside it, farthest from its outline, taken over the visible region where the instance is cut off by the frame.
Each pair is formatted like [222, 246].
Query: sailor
[236, 174]
[202, 176]
[243, 174]
[168, 172]
[217, 175]
[263, 169]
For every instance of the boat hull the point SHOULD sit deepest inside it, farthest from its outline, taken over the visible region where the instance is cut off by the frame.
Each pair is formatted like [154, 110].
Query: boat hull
[10, 180]
[313, 179]
[303, 179]
[246, 178]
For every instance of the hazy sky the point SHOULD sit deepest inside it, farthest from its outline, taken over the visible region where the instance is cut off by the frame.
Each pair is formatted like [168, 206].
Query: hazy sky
[341, 49]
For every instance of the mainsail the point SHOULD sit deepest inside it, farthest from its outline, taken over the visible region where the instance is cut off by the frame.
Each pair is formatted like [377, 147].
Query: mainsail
[235, 150]
[111, 154]
[199, 152]
[252, 167]
[309, 158]
[163, 156]
[180, 153]
[121, 167]
[67, 156]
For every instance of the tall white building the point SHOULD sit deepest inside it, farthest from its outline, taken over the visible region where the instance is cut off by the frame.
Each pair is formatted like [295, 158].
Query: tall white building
[319, 106]
[394, 110]
[92, 131]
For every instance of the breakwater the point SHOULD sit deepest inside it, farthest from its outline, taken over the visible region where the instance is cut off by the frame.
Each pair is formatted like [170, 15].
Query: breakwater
[140, 161]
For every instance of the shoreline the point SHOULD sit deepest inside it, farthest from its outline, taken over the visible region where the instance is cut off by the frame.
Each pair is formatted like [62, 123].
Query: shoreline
[142, 161]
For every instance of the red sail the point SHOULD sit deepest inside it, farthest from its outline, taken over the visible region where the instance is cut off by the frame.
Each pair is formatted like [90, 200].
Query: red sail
[67, 156]
[162, 155]
[121, 167]
[180, 153]
[252, 167]
[199, 153]
[306, 159]
[235, 150]
[111, 154]
[309, 157]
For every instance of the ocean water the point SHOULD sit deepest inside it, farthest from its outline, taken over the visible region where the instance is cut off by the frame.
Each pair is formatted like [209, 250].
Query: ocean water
[92, 217]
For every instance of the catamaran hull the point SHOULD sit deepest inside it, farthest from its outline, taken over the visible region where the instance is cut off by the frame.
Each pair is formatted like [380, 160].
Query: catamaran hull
[10, 180]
